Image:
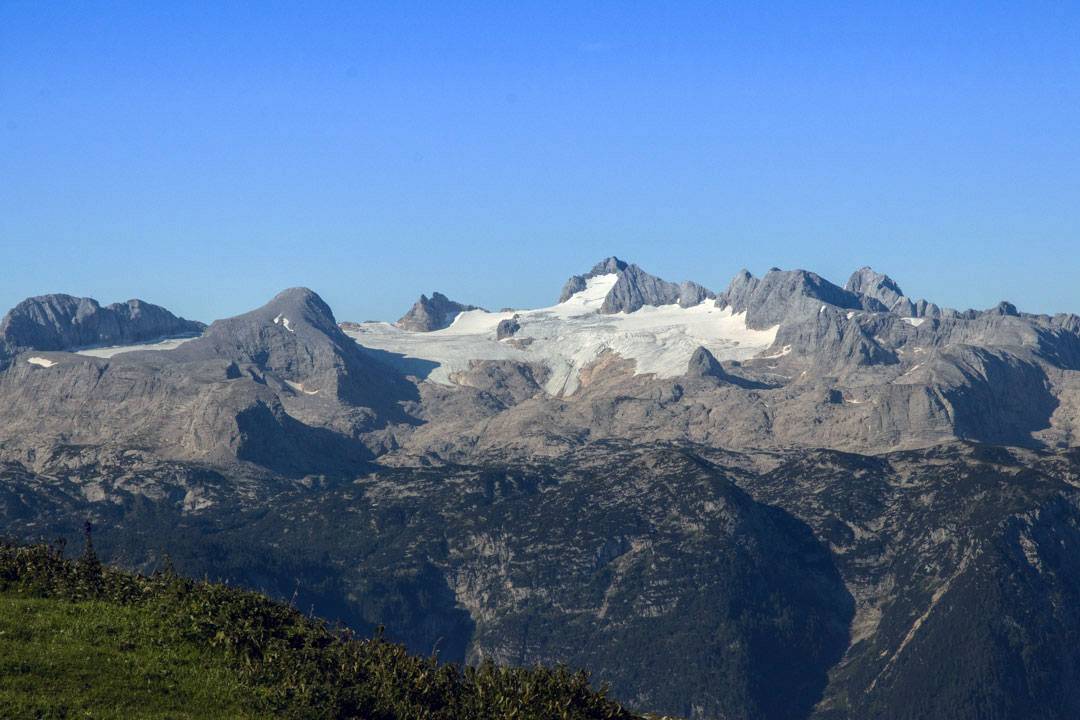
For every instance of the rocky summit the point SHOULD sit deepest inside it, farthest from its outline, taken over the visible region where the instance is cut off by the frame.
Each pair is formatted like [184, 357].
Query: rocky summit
[784, 499]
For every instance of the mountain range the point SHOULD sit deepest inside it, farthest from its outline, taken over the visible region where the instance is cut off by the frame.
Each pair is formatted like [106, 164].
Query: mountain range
[785, 499]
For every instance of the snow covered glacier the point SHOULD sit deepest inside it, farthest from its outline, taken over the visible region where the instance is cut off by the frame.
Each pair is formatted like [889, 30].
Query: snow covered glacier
[570, 335]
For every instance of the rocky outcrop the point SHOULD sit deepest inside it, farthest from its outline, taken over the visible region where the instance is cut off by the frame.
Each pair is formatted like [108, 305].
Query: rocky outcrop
[63, 322]
[636, 288]
[865, 281]
[506, 328]
[282, 387]
[786, 295]
[434, 313]
[576, 283]
[869, 283]
[703, 365]
[295, 337]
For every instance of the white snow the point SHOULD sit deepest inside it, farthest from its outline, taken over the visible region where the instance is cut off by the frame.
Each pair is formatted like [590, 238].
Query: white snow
[821, 310]
[568, 336]
[109, 351]
[281, 319]
[592, 297]
[786, 350]
[43, 362]
[851, 314]
[299, 387]
[914, 322]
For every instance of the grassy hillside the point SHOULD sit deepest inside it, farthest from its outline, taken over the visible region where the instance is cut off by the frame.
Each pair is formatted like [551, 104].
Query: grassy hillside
[81, 640]
[61, 659]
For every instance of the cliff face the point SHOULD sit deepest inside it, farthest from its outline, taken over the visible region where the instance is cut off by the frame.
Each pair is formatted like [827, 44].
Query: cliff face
[63, 322]
[434, 313]
[281, 387]
[634, 288]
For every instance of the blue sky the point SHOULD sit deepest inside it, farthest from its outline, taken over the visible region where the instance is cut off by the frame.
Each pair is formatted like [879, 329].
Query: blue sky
[205, 157]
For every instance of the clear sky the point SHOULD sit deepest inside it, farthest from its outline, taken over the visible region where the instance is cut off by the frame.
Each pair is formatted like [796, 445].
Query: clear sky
[205, 155]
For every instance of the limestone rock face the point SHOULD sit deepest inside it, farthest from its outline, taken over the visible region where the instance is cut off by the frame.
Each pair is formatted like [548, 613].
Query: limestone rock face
[282, 387]
[434, 313]
[865, 281]
[506, 328]
[64, 322]
[704, 365]
[576, 283]
[636, 288]
[296, 337]
[786, 295]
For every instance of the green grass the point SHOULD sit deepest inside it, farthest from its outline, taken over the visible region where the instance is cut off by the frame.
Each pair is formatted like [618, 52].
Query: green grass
[94, 659]
[97, 660]
[78, 640]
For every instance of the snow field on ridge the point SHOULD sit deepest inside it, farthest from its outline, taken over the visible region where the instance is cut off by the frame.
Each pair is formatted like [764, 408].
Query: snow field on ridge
[568, 336]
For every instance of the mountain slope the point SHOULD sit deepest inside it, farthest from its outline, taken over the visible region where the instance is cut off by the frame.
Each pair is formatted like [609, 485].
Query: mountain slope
[871, 370]
[62, 322]
[617, 358]
[101, 659]
[695, 580]
[633, 288]
[280, 387]
[696, 504]
[176, 648]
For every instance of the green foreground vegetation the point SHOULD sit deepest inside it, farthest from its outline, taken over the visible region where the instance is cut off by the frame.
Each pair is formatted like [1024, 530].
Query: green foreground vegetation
[61, 659]
[79, 640]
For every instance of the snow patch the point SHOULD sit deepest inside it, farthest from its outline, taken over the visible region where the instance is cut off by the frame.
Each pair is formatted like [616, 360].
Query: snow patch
[43, 362]
[914, 322]
[572, 334]
[111, 350]
[299, 387]
[786, 350]
[592, 297]
[851, 314]
[282, 320]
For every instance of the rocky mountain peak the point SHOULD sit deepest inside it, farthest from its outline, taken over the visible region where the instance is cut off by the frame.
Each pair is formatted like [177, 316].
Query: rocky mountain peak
[634, 288]
[434, 313]
[62, 322]
[296, 336]
[866, 281]
[873, 285]
[608, 266]
[703, 364]
[300, 306]
[1006, 308]
[786, 294]
[291, 314]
